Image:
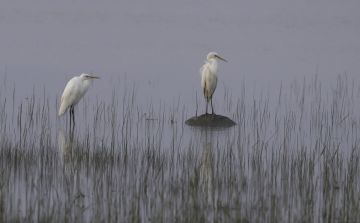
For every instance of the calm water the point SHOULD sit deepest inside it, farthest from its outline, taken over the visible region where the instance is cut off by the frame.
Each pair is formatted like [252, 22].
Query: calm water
[291, 85]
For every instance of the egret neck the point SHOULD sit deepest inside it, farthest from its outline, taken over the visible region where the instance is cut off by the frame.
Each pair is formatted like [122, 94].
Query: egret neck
[213, 65]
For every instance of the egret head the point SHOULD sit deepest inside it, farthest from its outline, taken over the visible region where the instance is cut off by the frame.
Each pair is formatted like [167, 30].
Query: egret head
[88, 76]
[214, 55]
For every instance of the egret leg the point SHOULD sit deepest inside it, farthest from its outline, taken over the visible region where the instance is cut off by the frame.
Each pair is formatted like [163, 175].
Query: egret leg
[206, 99]
[73, 115]
[212, 108]
[70, 116]
[72, 119]
[206, 107]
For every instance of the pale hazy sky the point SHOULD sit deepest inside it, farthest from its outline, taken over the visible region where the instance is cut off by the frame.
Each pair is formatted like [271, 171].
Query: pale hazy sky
[162, 44]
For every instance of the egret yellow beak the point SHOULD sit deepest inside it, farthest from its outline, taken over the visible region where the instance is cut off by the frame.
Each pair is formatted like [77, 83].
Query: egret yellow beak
[220, 58]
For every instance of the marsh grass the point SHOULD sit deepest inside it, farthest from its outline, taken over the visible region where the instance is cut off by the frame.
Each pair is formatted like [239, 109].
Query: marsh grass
[293, 157]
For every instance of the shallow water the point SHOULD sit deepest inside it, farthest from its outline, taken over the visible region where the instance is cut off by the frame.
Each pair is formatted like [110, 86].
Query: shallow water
[296, 160]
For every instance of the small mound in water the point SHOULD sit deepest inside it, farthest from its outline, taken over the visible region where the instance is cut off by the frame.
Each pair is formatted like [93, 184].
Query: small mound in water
[210, 120]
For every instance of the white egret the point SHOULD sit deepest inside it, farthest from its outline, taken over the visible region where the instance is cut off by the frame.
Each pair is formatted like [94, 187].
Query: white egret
[73, 92]
[209, 77]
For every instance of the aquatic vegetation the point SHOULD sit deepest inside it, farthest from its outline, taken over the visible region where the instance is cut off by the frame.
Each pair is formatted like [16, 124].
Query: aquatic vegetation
[292, 157]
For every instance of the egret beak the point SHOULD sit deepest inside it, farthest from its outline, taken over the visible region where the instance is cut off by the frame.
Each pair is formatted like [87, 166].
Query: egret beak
[92, 77]
[220, 58]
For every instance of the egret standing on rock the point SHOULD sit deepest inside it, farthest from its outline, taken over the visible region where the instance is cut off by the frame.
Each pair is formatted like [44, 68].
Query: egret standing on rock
[73, 92]
[209, 77]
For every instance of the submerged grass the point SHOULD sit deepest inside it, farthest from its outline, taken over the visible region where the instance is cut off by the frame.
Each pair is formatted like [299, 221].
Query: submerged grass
[293, 157]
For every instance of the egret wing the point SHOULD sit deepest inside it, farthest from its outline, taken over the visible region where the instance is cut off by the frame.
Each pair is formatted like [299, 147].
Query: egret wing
[204, 70]
[68, 96]
[208, 81]
[211, 83]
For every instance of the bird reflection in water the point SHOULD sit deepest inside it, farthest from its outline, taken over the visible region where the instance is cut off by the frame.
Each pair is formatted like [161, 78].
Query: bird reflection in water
[66, 146]
[206, 174]
[74, 179]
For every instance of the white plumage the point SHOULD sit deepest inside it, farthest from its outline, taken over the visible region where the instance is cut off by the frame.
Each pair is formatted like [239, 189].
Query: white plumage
[209, 77]
[74, 90]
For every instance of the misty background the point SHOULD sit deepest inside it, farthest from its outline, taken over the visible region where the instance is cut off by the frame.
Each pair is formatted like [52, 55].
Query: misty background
[160, 45]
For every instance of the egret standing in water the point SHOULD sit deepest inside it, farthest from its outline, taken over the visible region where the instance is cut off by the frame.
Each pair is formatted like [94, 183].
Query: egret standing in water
[209, 77]
[73, 92]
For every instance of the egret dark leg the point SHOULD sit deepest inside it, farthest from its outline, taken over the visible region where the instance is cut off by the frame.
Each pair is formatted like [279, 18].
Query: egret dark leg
[212, 108]
[73, 120]
[70, 116]
[73, 115]
[206, 107]
[206, 99]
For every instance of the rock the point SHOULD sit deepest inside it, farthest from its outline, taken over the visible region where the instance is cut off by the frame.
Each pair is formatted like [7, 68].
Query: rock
[210, 120]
